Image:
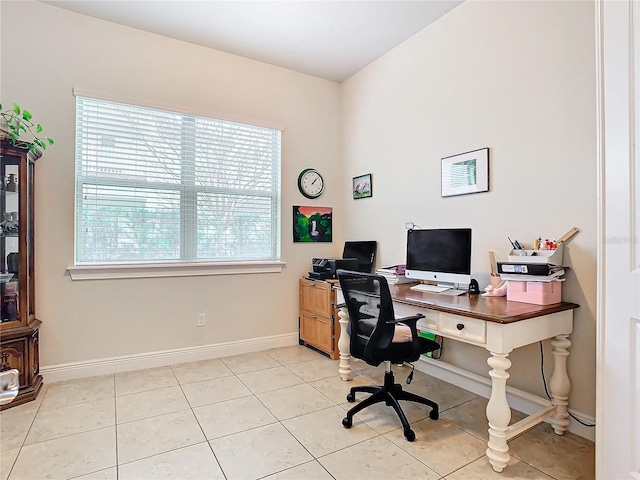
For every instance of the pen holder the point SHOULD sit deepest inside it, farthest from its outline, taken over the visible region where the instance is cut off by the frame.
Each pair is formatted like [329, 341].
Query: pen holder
[494, 281]
[553, 257]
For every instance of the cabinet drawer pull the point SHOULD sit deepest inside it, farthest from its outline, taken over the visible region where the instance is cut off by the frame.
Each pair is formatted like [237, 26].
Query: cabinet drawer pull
[313, 316]
[460, 326]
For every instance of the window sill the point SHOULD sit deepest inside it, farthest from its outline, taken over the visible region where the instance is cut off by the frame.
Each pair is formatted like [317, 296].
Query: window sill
[177, 269]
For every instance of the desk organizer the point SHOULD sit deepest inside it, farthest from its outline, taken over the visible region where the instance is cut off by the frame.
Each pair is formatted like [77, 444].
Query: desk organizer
[553, 257]
[539, 293]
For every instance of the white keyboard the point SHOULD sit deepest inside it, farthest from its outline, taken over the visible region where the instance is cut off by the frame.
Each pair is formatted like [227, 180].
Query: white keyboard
[422, 287]
[453, 293]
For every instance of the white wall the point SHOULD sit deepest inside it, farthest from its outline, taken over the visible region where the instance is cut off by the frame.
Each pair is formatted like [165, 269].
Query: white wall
[46, 51]
[514, 76]
[518, 77]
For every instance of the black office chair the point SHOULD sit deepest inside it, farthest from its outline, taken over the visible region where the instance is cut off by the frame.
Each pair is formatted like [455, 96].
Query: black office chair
[372, 326]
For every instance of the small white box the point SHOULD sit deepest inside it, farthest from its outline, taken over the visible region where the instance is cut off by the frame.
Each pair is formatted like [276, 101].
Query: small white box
[554, 257]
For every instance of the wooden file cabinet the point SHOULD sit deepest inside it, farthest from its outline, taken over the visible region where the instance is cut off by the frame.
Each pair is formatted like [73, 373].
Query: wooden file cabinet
[318, 316]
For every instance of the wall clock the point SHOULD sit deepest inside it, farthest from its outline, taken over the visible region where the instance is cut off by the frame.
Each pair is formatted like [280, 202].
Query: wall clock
[310, 183]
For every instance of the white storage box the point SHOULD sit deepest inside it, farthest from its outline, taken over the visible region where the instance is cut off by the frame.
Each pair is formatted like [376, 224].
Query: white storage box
[553, 257]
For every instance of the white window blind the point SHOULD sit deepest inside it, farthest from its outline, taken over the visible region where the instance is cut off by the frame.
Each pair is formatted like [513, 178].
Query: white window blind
[159, 186]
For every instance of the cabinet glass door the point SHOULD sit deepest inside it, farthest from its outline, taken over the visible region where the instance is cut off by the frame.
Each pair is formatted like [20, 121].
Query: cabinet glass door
[10, 240]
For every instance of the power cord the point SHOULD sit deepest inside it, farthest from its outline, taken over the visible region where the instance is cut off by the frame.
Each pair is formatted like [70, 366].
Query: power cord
[410, 377]
[544, 382]
[436, 354]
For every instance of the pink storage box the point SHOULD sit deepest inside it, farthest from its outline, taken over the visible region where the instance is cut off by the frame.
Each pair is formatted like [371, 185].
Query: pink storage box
[539, 293]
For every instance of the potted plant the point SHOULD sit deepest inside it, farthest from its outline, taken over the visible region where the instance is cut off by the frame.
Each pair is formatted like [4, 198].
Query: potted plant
[16, 123]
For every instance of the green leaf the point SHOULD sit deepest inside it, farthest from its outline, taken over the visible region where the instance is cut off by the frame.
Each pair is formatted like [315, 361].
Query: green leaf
[15, 123]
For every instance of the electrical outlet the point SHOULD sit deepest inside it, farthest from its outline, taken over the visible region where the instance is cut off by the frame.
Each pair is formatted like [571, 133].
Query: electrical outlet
[201, 320]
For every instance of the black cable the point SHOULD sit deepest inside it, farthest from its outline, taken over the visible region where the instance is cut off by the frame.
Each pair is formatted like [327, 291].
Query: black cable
[544, 382]
[410, 377]
[436, 354]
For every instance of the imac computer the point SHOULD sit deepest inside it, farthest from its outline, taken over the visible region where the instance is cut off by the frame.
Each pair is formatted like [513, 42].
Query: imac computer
[440, 255]
[364, 252]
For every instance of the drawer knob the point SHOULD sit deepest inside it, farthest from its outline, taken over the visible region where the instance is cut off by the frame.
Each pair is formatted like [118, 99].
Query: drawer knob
[460, 326]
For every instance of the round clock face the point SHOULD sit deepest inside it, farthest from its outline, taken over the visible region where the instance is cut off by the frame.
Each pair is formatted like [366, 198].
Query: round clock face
[310, 183]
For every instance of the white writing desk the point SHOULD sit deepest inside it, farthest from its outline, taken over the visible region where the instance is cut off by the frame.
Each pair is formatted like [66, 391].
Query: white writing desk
[500, 327]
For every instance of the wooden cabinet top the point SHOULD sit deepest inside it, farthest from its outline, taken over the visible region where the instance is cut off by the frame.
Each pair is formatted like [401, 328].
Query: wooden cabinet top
[8, 149]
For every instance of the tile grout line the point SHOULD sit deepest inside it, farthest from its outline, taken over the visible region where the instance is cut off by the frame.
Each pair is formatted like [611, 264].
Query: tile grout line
[115, 416]
[39, 410]
[313, 457]
[206, 440]
[15, 460]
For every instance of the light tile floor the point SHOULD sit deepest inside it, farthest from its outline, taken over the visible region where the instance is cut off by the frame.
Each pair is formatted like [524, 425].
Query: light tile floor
[274, 415]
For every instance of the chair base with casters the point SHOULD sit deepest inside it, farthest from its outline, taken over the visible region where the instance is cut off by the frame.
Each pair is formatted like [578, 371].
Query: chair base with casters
[390, 393]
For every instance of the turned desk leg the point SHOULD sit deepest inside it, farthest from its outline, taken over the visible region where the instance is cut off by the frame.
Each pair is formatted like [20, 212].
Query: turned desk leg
[498, 412]
[560, 386]
[343, 345]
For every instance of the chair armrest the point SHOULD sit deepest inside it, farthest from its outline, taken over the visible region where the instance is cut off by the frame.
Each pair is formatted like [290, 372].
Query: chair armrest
[412, 318]
[411, 322]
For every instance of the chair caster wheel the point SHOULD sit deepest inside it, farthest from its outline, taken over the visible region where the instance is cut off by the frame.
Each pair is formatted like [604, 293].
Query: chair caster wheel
[410, 435]
[351, 397]
[347, 422]
[433, 415]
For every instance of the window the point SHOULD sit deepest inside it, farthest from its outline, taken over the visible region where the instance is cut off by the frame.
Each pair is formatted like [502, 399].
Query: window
[160, 186]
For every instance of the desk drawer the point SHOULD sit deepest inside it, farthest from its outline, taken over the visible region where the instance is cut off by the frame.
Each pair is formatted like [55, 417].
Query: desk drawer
[462, 327]
[429, 322]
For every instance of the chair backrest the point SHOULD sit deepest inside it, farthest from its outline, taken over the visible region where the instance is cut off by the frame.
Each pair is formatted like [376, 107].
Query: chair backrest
[371, 314]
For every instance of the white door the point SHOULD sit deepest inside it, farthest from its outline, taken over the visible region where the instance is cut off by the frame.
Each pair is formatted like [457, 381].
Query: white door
[618, 373]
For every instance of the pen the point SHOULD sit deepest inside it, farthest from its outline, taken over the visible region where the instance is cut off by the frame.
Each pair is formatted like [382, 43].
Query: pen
[512, 244]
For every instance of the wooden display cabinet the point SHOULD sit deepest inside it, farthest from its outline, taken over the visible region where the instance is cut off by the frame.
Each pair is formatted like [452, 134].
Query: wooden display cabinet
[19, 328]
[318, 316]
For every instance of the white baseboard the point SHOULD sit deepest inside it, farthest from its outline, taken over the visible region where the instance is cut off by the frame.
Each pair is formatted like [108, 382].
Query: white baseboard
[518, 399]
[107, 366]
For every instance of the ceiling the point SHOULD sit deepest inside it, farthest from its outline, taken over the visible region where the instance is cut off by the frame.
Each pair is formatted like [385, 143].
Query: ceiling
[329, 39]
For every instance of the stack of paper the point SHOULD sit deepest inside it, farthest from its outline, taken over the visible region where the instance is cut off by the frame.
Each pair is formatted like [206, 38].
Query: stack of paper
[394, 274]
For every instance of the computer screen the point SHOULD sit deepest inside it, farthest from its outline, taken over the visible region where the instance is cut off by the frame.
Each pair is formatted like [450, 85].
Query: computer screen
[364, 252]
[441, 255]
